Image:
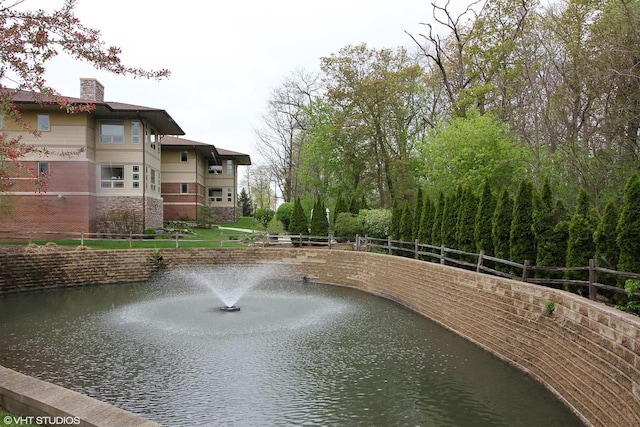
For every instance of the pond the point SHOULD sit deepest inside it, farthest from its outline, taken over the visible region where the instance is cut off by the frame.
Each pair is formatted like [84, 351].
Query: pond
[295, 354]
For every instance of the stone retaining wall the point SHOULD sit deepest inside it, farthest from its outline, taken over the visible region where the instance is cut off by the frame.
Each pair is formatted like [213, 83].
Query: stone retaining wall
[586, 353]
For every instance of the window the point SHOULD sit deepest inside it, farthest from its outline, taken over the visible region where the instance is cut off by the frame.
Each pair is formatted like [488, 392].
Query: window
[135, 177]
[153, 181]
[1, 121]
[112, 176]
[229, 167]
[184, 156]
[229, 194]
[43, 168]
[184, 188]
[215, 194]
[112, 132]
[43, 123]
[135, 132]
[152, 138]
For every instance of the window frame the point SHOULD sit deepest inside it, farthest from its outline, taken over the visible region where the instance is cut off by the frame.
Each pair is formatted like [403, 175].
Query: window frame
[44, 168]
[112, 138]
[114, 181]
[44, 123]
[184, 156]
[212, 194]
[184, 188]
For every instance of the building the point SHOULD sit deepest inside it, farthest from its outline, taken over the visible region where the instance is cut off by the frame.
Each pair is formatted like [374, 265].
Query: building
[199, 177]
[104, 168]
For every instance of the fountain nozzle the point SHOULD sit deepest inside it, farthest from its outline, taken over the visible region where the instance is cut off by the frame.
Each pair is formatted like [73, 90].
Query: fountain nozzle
[230, 308]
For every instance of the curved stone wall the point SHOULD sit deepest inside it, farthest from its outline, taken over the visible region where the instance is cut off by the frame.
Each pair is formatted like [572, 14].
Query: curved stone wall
[585, 352]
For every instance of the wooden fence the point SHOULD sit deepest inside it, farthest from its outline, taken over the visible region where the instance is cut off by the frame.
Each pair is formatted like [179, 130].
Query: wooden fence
[483, 263]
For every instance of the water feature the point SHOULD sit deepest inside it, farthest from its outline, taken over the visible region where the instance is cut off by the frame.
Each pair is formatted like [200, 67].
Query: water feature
[296, 354]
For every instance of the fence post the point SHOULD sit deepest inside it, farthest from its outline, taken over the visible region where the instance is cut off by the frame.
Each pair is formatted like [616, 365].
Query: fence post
[442, 255]
[357, 243]
[176, 240]
[525, 270]
[82, 239]
[415, 249]
[593, 292]
[130, 240]
[329, 237]
[479, 267]
[389, 244]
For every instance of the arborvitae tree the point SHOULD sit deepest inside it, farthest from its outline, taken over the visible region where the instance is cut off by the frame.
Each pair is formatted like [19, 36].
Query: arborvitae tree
[396, 217]
[354, 206]
[521, 239]
[298, 223]
[501, 225]
[543, 227]
[363, 203]
[483, 220]
[467, 208]
[406, 223]
[341, 206]
[629, 227]
[417, 213]
[581, 247]
[436, 231]
[245, 203]
[607, 252]
[319, 225]
[426, 220]
[552, 246]
[450, 219]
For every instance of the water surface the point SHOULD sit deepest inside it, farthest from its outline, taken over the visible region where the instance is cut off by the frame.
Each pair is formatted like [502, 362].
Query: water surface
[296, 354]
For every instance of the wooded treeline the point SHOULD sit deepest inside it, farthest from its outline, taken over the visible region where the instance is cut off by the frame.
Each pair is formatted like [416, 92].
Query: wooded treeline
[504, 91]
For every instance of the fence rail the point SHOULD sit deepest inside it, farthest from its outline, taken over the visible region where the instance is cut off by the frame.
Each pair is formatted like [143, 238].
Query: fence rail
[500, 267]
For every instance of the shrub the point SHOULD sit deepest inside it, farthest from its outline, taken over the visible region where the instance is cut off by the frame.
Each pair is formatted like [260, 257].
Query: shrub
[263, 216]
[283, 214]
[298, 223]
[346, 227]
[275, 226]
[120, 221]
[376, 223]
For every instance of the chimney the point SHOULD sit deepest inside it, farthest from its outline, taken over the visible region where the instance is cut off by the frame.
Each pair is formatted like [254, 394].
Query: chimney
[91, 90]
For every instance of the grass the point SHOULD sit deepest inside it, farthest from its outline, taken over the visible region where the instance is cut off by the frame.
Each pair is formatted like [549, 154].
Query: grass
[202, 237]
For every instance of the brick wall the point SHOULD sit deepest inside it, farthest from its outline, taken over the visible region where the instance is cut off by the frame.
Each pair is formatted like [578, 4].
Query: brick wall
[586, 353]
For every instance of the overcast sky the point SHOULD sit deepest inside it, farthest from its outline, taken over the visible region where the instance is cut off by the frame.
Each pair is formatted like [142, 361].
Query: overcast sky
[226, 57]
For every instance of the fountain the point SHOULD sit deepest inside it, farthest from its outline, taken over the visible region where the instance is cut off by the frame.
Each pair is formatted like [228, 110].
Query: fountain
[223, 281]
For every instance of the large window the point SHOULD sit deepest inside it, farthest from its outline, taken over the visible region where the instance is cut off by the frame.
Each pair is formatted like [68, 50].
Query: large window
[112, 176]
[43, 123]
[215, 194]
[112, 132]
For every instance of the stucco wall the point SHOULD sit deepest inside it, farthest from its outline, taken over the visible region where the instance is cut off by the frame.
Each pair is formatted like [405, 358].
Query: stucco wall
[587, 353]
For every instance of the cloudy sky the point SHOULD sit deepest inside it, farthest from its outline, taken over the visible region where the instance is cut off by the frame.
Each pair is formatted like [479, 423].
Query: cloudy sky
[227, 57]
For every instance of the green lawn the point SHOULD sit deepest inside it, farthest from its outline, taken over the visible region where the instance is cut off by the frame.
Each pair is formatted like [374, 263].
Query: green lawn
[196, 238]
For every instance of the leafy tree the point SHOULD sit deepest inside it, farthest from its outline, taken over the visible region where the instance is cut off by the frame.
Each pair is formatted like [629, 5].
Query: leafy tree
[284, 213]
[483, 220]
[551, 247]
[501, 225]
[263, 216]
[244, 201]
[468, 151]
[30, 40]
[319, 225]
[522, 240]
[354, 206]
[299, 223]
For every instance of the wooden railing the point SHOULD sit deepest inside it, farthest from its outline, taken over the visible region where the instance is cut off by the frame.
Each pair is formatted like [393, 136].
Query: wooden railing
[497, 266]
